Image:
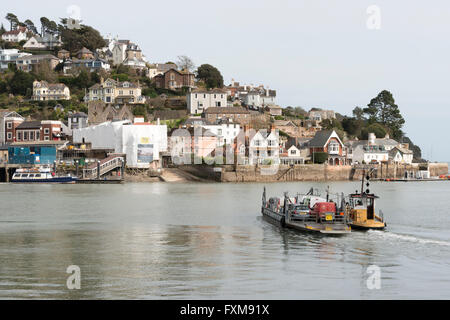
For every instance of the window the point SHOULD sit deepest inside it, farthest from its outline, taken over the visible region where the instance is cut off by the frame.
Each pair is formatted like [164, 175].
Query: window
[19, 135]
[9, 136]
[333, 147]
[25, 135]
[46, 138]
[9, 125]
[37, 135]
[46, 131]
[31, 135]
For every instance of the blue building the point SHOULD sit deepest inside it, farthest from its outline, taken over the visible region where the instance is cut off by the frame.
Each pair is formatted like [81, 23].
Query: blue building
[34, 153]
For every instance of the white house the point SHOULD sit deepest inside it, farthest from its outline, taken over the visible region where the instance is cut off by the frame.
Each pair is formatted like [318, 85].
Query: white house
[401, 155]
[225, 132]
[252, 98]
[200, 100]
[264, 148]
[17, 35]
[48, 41]
[8, 56]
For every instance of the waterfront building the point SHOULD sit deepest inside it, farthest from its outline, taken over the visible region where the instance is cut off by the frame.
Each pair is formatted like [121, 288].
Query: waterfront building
[225, 131]
[401, 155]
[264, 147]
[329, 142]
[9, 120]
[200, 100]
[376, 150]
[45, 130]
[34, 152]
[141, 142]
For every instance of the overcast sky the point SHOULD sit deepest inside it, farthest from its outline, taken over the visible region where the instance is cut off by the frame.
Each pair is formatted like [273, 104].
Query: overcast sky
[317, 53]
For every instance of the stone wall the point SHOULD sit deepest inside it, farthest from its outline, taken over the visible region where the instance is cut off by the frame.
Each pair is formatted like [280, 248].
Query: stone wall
[305, 172]
[311, 172]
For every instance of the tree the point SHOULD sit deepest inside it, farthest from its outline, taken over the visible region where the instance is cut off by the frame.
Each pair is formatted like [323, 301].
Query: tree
[185, 63]
[21, 83]
[210, 75]
[383, 109]
[30, 25]
[378, 129]
[13, 21]
[85, 36]
[358, 113]
[2, 30]
[45, 22]
[352, 125]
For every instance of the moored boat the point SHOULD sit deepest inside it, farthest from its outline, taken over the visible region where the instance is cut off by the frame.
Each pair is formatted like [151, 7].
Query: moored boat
[41, 175]
[308, 212]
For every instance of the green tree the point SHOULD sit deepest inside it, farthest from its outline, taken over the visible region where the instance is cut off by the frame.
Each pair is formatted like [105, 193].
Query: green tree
[352, 125]
[378, 129]
[30, 25]
[383, 109]
[210, 75]
[13, 21]
[85, 36]
[21, 83]
[358, 113]
[2, 30]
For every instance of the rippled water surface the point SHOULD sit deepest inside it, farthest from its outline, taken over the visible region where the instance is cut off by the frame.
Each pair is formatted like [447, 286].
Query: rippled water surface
[208, 241]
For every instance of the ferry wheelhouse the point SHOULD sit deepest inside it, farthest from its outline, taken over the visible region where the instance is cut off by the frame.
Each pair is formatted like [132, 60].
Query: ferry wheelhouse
[361, 209]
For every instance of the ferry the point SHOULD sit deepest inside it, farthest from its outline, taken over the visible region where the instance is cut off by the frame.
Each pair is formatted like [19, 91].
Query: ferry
[40, 175]
[310, 213]
[361, 209]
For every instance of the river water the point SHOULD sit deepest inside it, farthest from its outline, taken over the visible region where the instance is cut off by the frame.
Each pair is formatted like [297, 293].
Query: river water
[208, 241]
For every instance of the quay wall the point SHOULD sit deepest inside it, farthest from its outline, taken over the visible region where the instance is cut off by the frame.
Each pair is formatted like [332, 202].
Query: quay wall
[320, 172]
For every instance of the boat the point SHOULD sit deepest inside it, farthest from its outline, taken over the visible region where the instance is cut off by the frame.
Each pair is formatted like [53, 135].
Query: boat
[41, 175]
[309, 212]
[361, 209]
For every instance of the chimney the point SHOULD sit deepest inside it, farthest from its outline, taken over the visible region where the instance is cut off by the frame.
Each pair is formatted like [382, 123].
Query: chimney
[372, 138]
[101, 80]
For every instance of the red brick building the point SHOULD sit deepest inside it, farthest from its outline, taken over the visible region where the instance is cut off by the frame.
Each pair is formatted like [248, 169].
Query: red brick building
[174, 79]
[46, 130]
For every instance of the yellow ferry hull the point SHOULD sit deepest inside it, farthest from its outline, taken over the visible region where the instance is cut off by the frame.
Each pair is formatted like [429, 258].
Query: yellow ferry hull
[368, 224]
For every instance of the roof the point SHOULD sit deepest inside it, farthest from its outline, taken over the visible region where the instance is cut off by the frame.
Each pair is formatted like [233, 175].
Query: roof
[284, 123]
[226, 110]
[38, 143]
[402, 150]
[321, 138]
[29, 125]
[38, 56]
[52, 86]
[79, 115]
[84, 50]
[13, 32]
[216, 90]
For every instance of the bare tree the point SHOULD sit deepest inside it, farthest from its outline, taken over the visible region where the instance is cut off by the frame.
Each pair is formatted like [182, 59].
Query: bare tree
[186, 63]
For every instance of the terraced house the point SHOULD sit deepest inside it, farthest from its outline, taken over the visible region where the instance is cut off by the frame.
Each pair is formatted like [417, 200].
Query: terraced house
[44, 91]
[116, 92]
